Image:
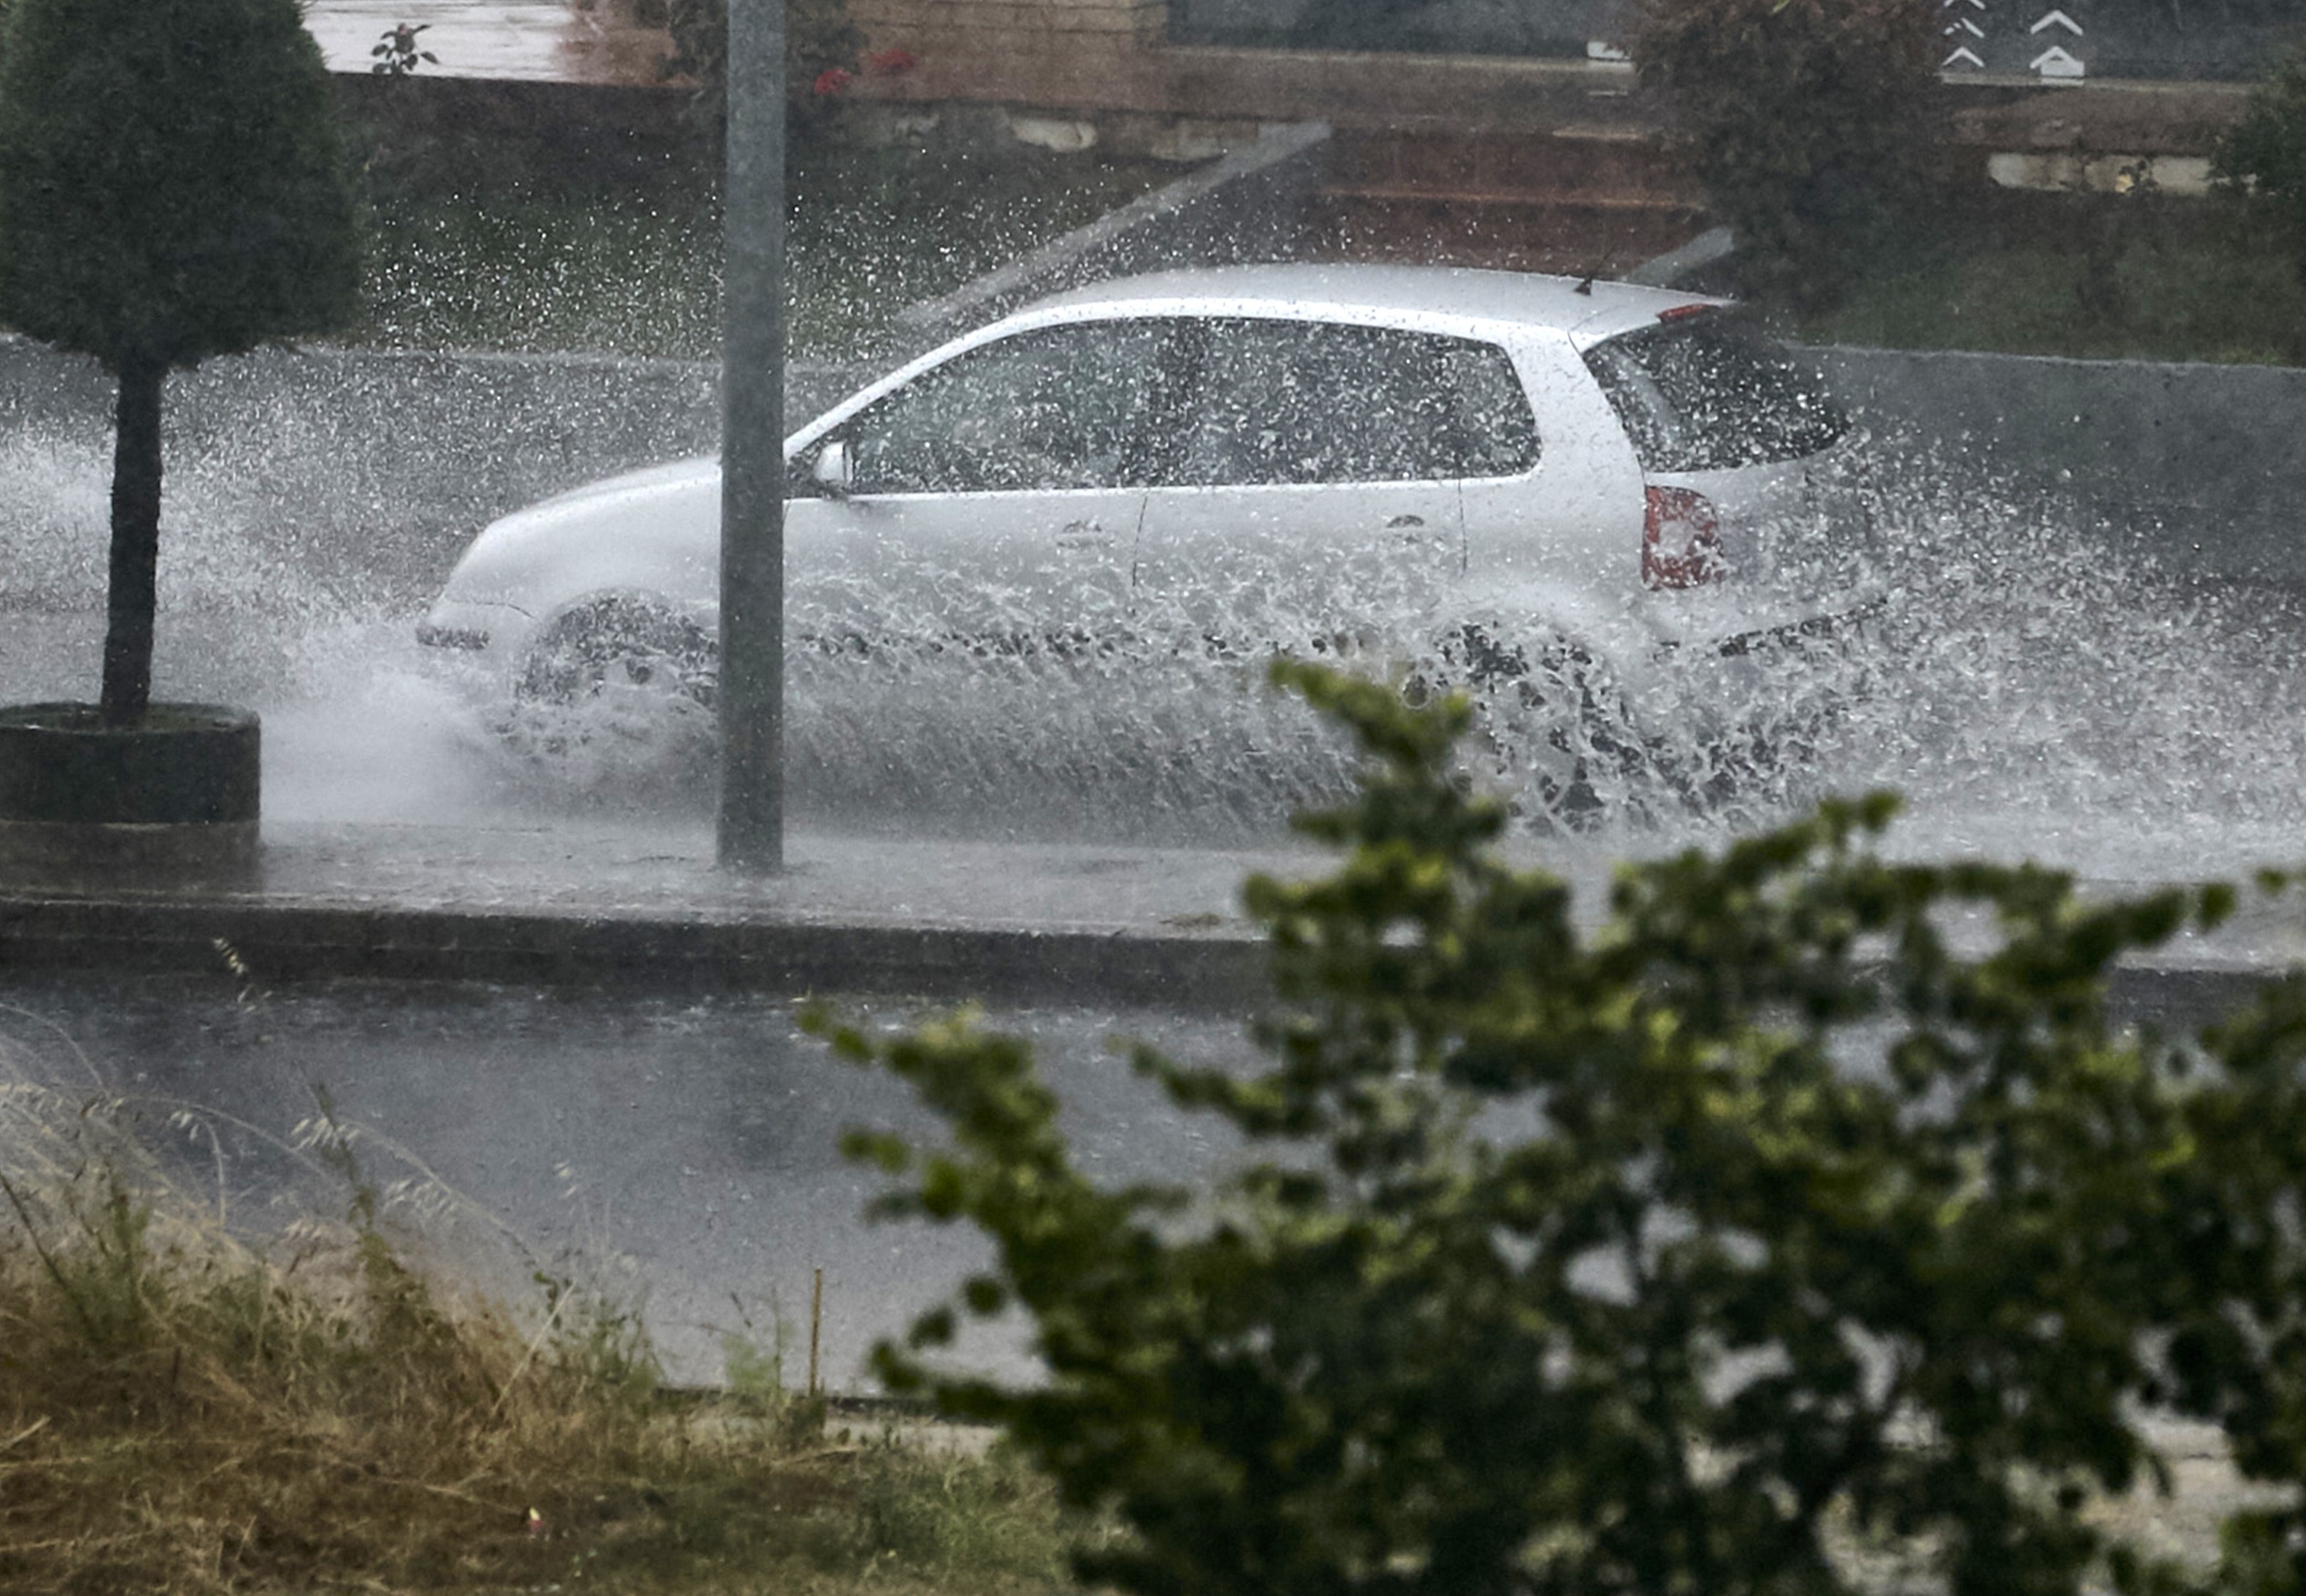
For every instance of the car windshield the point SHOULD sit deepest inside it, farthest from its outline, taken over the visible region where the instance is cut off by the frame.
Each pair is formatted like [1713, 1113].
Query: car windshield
[1705, 394]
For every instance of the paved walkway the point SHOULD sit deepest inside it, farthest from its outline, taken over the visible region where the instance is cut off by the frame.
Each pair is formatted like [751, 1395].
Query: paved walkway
[634, 904]
[521, 40]
[626, 903]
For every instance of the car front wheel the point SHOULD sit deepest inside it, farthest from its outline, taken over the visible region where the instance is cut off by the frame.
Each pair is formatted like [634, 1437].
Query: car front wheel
[617, 688]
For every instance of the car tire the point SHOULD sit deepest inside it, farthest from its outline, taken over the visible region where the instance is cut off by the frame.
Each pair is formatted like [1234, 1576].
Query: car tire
[616, 691]
[1552, 732]
[614, 645]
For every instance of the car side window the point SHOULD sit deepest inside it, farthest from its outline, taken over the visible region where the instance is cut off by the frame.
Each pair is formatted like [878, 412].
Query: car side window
[1053, 409]
[1310, 402]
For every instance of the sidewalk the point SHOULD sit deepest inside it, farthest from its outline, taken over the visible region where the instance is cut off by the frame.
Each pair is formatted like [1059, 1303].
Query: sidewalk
[547, 41]
[640, 904]
[627, 903]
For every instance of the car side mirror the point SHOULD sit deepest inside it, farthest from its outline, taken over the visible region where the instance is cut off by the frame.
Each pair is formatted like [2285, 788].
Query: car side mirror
[835, 469]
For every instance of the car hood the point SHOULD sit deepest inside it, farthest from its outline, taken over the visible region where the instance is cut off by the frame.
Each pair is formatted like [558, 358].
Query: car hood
[684, 473]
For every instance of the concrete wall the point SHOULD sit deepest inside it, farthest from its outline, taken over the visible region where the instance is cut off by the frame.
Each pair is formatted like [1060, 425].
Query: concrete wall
[2199, 467]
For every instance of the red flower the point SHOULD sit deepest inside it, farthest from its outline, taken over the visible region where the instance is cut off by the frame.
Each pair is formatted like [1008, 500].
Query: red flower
[892, 62]
[832, 80]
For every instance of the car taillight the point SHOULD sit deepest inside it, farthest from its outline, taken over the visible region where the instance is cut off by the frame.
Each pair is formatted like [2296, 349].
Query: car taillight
[1681, 540]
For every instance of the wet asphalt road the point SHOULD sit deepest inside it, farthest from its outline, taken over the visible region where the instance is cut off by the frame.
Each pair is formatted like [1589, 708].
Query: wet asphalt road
[682, 1153]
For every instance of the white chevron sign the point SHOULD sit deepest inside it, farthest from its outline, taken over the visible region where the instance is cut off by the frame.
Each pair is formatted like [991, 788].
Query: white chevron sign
[2058, 19]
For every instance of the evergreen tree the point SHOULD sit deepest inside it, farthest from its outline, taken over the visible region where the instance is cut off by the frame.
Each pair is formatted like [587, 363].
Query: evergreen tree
[172, 188]
[1813, 126]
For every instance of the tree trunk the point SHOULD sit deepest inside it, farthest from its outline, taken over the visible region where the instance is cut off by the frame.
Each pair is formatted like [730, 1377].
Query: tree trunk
[133, 590]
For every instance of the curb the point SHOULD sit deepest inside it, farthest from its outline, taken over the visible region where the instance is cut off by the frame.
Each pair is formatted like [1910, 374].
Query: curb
[1188, 974]
[288, 943]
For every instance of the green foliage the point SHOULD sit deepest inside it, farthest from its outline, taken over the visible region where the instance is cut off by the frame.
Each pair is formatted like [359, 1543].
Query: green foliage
[2135, 276]
[2265, 154]
[105, 1280]
[1811, 125]
[171, 185]
[397, 53]
[1810, 1210]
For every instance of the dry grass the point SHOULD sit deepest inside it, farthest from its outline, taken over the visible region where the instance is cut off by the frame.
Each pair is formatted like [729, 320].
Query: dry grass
[185, 1407]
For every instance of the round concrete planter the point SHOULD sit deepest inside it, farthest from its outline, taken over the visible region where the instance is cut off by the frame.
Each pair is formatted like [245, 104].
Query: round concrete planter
[176, 794]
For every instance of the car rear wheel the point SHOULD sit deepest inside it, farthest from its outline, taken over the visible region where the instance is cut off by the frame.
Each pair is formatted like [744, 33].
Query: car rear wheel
[1552, 732]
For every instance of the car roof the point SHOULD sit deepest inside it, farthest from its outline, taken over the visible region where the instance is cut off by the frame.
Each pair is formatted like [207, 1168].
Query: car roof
[1588, 309]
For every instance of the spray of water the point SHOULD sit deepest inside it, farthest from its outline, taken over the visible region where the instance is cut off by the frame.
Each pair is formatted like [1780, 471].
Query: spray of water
[2030, 692]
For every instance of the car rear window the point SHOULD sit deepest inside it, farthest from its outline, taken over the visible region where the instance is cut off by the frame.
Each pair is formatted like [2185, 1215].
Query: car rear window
[1705, 393]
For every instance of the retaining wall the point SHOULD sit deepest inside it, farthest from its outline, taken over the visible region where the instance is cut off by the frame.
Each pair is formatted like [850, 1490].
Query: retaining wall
[2199, 468]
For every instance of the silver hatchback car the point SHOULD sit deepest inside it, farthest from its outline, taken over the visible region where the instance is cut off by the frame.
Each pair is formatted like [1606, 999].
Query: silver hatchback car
[1548, 490]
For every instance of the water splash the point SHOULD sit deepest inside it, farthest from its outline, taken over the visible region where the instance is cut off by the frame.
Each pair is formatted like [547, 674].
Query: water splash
[2032, 692]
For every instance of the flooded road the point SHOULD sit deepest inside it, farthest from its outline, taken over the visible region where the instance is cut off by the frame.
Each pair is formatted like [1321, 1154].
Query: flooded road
[680, 1153]
[677, 1154]
[2030, 698]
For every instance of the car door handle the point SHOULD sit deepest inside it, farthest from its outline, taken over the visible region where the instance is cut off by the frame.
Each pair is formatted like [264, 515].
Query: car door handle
[1085, 535]
[1399, 522]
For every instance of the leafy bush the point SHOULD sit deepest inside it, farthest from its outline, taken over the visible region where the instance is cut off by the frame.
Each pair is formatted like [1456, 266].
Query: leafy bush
[1811, 125]
[2265, 152]
[170, 188]
[1768, 1232]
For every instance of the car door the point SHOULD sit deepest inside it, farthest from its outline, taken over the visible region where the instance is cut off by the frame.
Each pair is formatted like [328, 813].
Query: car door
[991, 503]
[1311, 503]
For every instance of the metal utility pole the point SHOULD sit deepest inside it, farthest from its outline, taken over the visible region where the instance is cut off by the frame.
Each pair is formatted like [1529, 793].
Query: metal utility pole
[752, 687]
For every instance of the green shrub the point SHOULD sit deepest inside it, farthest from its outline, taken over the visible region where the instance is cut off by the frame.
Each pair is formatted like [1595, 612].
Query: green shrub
[1766, 1233]
[2265, 154]
[1811, 125]
[170, 188]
